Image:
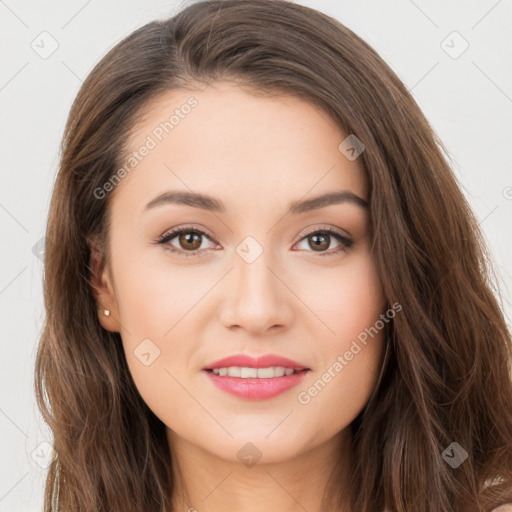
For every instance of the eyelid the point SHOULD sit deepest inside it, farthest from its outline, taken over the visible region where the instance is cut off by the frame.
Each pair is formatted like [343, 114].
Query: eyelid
[326, 227]
[190, 227]
[311, 229]
[329, 229]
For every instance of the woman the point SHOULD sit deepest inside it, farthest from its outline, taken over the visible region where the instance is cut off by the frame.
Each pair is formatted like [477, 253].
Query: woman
[263, 285]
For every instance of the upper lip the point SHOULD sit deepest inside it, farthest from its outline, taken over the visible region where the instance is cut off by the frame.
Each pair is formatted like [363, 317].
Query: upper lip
[264, 361]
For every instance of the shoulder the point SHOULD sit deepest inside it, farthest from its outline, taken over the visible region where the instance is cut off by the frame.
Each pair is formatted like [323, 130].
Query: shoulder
[504, 508]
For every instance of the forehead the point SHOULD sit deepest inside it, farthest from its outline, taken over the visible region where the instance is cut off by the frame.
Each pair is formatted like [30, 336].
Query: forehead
[237, 145]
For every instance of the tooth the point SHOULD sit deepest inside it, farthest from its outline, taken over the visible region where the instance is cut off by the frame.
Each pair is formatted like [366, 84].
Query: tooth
[234, 371]
[265, 373]
[245, 372]
[279, 371]
[248, 372]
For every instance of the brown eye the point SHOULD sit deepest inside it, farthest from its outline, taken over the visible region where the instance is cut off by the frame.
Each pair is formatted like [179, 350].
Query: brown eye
[319, 241]
[189, 240]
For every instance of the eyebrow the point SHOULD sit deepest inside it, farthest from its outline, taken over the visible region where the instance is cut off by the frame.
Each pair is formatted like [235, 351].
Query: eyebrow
[212, 204]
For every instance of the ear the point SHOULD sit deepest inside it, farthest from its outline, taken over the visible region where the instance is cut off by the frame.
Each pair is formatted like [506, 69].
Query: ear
[102, 287]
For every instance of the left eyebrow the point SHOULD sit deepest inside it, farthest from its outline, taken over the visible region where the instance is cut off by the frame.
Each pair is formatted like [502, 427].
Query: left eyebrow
[212, 204]
[315, 203]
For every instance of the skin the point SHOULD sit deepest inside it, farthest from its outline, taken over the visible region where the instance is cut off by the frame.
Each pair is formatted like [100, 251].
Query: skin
[257, 155]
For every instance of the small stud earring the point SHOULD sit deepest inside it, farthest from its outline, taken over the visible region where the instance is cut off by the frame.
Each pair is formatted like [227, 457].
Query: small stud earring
[106, 312]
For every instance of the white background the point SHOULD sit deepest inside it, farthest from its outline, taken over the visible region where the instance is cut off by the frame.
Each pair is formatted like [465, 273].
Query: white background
[468, 101]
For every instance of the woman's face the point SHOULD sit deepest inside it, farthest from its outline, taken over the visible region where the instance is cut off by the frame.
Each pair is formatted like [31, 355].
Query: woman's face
[265, 280]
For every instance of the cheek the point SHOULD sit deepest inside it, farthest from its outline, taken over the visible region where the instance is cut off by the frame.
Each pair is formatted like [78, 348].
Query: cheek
[361, 299]
[346, 299]
[351, 349]
[359, 330]
[158, 305]
[339, 389]
[154, 294]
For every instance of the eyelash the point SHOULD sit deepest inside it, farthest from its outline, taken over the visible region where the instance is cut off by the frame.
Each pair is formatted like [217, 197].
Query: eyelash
[346, 243]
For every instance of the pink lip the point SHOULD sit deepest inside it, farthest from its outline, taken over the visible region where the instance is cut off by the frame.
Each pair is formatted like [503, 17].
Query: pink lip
[260, 362]
[256, 389]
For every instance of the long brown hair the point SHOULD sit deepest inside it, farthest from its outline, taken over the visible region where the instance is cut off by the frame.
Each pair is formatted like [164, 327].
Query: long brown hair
[448, 375]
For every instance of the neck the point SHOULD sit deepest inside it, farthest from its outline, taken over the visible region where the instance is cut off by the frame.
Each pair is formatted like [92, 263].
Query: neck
[311, 481]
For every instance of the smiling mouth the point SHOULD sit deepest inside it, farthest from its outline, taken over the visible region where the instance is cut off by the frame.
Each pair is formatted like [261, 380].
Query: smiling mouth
[245, 372]
[250, 383]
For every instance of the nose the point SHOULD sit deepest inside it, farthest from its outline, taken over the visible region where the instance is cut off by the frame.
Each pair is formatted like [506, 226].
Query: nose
[258, 299]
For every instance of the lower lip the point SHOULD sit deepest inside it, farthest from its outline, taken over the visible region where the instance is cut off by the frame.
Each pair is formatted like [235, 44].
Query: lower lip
[257, 389]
